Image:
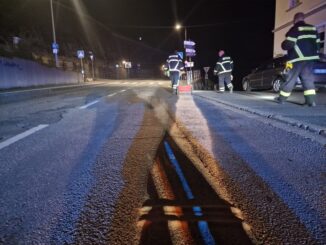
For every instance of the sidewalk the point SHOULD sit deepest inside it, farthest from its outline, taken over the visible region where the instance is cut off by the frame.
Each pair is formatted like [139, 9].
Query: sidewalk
[307, 118]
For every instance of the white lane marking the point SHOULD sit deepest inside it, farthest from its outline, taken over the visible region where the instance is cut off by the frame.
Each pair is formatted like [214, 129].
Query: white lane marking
[121, 91]
[22, 135]
[110, 95]
[89, 104]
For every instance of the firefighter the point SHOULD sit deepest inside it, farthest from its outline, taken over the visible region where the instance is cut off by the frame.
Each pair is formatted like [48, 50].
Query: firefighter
[302, 46]
[175, 66]
[223, 69]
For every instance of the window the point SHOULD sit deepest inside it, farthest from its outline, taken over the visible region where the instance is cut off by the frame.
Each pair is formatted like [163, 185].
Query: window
[321, 31]
[294, 3]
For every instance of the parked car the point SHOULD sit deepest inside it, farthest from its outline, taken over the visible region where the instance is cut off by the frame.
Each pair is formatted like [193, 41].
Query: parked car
[271, 75]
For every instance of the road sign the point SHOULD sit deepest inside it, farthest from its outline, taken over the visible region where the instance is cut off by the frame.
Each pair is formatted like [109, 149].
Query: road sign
[55, 48]
[180, 54]
[189, 63]
[80, 54]
[128, 65]
[91, 55]
[190, 52]
[206, 69]
[189, 43]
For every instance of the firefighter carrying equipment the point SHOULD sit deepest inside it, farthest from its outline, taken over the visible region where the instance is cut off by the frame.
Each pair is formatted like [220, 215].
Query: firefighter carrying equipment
[223, 65]
[302, 43]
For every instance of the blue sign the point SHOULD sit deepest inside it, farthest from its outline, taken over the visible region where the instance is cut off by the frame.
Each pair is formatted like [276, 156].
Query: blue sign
[80, 54]
[189, 43]
[190, 52]
[55, 48]
[180, 54]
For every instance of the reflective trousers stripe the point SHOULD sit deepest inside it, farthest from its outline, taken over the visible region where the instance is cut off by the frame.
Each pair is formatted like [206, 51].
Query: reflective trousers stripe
[309, 92]
[285, 94]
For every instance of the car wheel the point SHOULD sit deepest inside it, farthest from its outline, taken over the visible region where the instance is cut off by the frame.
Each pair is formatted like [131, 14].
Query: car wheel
[277, 83]
[246, 85]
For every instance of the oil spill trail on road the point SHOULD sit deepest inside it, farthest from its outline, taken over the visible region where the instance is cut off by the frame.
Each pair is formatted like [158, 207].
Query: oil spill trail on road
[182, 207]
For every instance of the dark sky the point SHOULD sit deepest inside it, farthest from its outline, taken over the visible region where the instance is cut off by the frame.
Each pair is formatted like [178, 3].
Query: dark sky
[242, 28]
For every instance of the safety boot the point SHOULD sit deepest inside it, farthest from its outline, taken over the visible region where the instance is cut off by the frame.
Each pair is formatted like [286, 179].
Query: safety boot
[310, 101]
[280, 99]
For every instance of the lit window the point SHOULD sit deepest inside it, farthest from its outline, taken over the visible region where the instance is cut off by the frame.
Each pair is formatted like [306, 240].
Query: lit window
[293, 3]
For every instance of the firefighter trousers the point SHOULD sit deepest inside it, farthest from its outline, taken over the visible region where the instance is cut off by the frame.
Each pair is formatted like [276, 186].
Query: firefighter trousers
[225, 78]
[304, 71]
[175, 77]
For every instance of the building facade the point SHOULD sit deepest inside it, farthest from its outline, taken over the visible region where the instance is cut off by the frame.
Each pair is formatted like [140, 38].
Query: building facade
[315, 13]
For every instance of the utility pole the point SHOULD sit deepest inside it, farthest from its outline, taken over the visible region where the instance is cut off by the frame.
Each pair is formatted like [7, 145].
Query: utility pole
[55, 46]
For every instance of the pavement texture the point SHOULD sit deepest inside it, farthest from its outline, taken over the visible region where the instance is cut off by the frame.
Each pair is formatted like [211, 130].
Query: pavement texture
[250, 151]
[88, 176]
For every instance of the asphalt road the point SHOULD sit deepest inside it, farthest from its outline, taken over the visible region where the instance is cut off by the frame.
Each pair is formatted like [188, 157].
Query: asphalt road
[75, 164]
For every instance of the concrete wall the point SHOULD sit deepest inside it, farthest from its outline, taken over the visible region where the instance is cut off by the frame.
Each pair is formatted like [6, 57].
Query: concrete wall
[315, 11]
[24, 73]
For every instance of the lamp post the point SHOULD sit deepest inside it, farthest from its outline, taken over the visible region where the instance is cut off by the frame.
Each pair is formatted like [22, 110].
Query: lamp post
[188, 72]
[179, 26]
[91, 56]
[54, 45]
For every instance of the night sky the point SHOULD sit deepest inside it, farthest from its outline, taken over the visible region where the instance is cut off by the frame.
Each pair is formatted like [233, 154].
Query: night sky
[112, 28]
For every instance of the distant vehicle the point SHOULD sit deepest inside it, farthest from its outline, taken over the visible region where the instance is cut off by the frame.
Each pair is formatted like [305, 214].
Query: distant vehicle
[271, 75]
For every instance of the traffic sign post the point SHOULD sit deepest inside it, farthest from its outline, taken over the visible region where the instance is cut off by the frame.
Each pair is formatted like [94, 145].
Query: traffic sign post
[55, 51]
[190, 52]
[206, 69]
[81, 55]
[91, 56]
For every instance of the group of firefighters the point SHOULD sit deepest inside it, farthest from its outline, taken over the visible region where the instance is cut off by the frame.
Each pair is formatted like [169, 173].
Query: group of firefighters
[302, 46]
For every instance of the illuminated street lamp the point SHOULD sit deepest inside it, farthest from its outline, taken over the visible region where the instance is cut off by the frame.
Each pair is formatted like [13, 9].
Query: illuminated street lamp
[179, 26]
[55, 46]
[91, 56]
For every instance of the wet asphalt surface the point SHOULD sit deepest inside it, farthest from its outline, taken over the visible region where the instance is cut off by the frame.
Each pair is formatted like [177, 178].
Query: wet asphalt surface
[85, 177]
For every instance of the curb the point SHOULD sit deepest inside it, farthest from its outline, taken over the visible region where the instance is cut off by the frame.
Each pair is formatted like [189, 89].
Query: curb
[308, 127]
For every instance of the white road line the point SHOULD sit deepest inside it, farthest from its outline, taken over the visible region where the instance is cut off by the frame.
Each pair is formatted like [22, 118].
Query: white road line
[110, 95]
[121, 91]
[22, 135]
[89, 104]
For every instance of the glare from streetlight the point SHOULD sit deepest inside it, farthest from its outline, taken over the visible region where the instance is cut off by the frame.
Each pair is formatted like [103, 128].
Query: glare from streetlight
[178, 26]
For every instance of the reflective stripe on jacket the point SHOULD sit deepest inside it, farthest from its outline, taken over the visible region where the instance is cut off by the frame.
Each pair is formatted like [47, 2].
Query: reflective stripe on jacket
[302, 43]
[224, 65]
[174, 63]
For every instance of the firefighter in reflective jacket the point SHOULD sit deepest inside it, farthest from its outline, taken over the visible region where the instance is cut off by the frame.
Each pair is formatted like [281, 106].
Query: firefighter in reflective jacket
[175, 66]
[223, 69]
[302, 45]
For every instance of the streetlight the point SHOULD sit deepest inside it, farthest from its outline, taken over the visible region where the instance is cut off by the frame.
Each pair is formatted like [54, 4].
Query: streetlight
[188, 72]
[91, 56]
[179, 26]
[55, 46]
